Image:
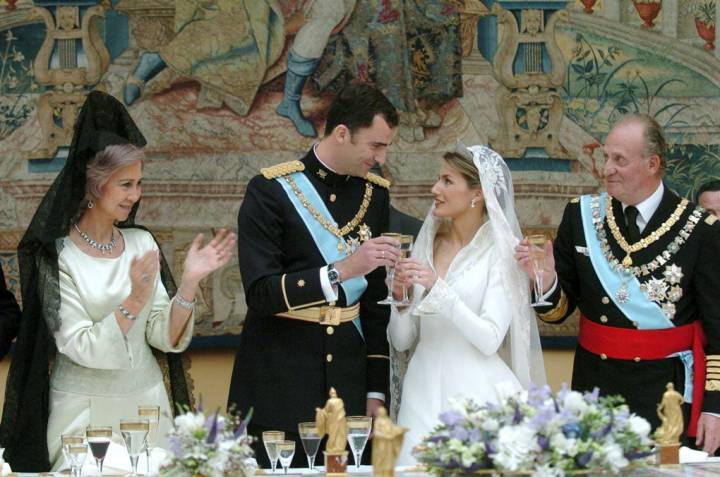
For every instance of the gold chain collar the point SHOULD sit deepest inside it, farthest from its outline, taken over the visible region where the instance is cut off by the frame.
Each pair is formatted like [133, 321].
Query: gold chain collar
[350, 226]
[644, 242]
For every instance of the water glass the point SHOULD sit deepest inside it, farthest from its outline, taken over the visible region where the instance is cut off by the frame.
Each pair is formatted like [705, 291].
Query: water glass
[77, 453]
[98, 438]
[65, 441]
[286, 452]
[270, 441]
[134, 432]
[152, 414]
[310, 438]
[359, 428]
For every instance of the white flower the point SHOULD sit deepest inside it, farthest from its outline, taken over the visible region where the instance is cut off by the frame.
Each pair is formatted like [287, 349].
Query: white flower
[490, 424]
[564, 445]
[546, 470]
[516, 447]
[614, 457]
[639, 426]
[190, 423]
[575, 403]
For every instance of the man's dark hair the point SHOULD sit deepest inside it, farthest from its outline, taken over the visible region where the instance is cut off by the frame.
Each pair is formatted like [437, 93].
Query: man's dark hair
[357, 105]
[711, 186]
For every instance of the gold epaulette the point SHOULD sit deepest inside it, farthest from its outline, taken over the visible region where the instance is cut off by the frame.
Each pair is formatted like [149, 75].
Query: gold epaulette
[283, 169]
[575, 200]
[711, 219]
[377, 180]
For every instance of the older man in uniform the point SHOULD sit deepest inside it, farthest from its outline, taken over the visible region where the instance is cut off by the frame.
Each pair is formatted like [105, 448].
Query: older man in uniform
[312, 263]
[641, 265]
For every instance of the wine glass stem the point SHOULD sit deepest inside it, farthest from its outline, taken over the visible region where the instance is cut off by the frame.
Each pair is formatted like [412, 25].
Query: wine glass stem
[273, 465]
[147, 454]
[99, 463]
[134, 463]
[391, 275]
[538, 285]
[311, 461]
[358, 456]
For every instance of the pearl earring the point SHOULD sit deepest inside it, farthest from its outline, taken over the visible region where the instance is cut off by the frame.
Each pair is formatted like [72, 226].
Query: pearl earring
[472, 203]
[90, 204]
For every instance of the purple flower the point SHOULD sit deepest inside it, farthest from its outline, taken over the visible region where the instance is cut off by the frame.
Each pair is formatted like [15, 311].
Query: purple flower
[518, 415]
[543, 442]
[451, 417]
[583, 459]
[458, 433]
[594, 396]
[474, 435]
[571, 430]
[538, 394]
[542, 418]
[213, 428]
[176, 446]
[438, 438]
[489, 449]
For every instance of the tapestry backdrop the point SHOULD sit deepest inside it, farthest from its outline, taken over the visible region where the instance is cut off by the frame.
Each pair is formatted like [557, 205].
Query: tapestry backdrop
[209, 83]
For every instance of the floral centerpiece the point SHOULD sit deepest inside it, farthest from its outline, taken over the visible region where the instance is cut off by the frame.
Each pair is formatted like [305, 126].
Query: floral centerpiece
[538, 433]
[213, 446]
[705, 22]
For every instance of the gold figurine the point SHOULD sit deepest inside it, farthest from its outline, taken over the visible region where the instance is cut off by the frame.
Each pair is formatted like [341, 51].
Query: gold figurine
[668, 434]
[386, 443]
[331, 420]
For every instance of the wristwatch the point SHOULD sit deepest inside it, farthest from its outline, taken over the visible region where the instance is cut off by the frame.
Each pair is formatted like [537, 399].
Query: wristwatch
[333, 275]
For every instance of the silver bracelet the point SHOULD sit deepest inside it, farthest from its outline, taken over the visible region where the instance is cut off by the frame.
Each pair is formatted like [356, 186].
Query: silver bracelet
[188, 305]
[124, 311]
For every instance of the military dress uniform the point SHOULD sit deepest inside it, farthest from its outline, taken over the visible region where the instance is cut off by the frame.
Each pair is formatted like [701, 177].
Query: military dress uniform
[677, 273]
[295, 345]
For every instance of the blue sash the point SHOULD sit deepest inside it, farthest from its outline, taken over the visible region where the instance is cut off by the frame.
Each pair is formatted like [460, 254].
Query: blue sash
[646, 313]
[325, 241]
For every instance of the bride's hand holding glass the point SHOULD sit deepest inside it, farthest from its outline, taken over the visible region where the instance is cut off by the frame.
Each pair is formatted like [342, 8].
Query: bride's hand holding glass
[412, 272]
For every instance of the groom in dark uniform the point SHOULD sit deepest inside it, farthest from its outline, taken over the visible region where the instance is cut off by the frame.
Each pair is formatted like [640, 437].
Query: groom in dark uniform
[642, 265]
[312, 264]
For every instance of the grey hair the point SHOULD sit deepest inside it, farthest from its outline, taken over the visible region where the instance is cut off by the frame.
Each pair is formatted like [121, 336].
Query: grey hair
[105, 163]
[653, 137]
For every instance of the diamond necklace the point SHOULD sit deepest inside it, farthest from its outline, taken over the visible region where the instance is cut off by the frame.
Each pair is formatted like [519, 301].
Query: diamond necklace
[103, 247]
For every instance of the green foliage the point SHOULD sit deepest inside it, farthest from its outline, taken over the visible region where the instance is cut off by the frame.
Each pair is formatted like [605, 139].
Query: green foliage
[705, 12]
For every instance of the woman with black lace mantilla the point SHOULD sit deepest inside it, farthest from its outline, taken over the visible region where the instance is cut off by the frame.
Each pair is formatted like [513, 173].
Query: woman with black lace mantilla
[97, 299]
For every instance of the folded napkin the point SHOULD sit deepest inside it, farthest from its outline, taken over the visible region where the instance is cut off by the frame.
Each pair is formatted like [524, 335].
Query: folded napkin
[691, 456]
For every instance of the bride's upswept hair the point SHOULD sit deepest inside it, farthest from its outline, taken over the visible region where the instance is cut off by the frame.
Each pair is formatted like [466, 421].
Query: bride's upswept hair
[461, 161]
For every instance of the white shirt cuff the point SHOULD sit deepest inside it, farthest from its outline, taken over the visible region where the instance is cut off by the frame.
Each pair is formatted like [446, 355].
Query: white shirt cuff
[548, 293]
[330, 291]
[380, 396]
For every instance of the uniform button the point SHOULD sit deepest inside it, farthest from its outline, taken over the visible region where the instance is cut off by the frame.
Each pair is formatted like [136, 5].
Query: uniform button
[329, 330]
[605, 300]
[636, 359]
[328, 358]
[333, 197]
[603, 356]
[603, 318]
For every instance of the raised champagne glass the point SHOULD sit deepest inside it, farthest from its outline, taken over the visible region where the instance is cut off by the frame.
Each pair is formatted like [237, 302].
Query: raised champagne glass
[286, 452]
[152, 414]
[270, 441]
[537, 258]
[76, 453]
[359, 428]
[98, 438]
[65, 441]
[406, 246]
[134, 432]
[310, 438]
[390, 269]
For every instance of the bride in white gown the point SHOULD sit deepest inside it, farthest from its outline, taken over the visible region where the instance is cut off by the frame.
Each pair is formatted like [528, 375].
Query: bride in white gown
[470, 330]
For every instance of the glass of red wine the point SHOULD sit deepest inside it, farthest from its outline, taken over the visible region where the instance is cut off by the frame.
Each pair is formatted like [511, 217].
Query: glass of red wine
[98, 438]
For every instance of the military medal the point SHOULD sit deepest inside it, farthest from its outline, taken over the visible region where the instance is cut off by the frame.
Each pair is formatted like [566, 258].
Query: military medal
[364, 233]
[622, 295]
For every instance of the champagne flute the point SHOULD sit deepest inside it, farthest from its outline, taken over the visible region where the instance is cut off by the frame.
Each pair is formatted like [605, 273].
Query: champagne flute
[152, 414]
[134, 433]
[359, 428]
[65, 441]
[286, 452]
[270, 441]
[389, 300]
[77, 453]
[310, 438]
[406, 246]
[537, 258]
[98, 439]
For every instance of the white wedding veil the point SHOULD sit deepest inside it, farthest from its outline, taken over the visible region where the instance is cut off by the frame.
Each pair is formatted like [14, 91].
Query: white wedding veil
[521, 348]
